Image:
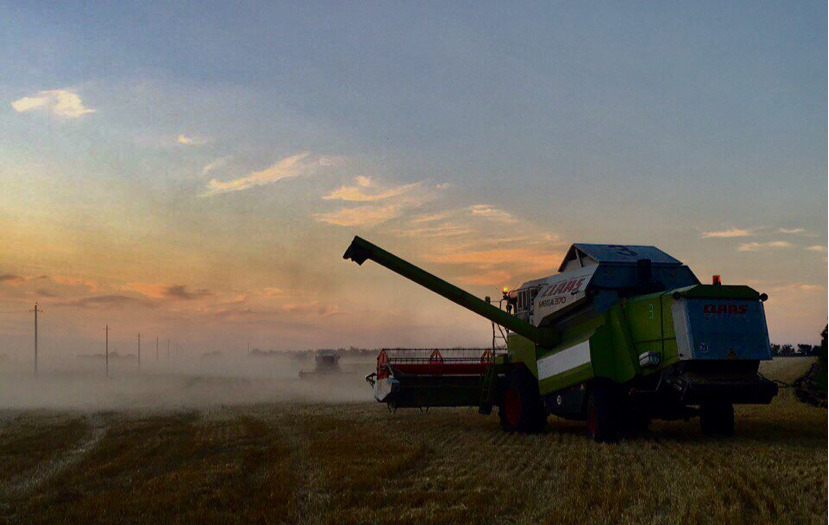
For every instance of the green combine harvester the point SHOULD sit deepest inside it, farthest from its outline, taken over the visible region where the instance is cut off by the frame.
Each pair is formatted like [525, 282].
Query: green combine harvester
[619, 336]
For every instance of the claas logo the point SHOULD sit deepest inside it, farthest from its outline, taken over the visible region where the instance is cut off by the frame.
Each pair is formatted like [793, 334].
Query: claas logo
[573, 285]
[738, 309]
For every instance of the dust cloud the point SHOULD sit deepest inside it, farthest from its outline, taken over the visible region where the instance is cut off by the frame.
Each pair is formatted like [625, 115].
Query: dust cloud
[81, 383]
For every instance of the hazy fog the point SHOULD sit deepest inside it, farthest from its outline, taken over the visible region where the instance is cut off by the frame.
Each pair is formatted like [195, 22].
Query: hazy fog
[81, 383]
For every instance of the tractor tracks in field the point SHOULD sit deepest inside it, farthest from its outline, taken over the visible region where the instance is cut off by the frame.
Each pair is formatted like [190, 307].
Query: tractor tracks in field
[29, 481]
[309, 498]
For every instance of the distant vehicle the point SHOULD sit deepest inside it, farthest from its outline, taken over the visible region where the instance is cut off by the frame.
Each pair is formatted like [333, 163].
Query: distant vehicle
[325, 362]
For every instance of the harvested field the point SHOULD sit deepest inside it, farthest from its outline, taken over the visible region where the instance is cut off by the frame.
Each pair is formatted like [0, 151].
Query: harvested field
[292, 462]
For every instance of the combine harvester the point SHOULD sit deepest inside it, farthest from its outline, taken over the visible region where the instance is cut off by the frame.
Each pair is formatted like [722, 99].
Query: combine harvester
[620, 336]
[326, 363]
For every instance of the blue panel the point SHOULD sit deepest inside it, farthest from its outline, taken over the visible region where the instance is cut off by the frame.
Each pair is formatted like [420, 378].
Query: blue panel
[727, 329]
[618, 253]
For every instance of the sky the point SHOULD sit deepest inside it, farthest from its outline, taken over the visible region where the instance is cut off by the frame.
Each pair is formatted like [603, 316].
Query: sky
[195, 171]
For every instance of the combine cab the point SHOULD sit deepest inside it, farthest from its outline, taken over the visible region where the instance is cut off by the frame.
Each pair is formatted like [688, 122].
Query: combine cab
[326, 362]
[619, 336]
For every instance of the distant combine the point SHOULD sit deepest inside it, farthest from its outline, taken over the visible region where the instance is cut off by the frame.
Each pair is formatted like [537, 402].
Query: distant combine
[326, 362]
[619, 336]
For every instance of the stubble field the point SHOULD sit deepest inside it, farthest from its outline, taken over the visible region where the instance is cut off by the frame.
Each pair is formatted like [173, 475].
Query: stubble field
[315, 462]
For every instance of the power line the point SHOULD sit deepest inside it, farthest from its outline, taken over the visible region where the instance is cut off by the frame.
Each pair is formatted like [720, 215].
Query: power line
[107, 349]
[35, 310]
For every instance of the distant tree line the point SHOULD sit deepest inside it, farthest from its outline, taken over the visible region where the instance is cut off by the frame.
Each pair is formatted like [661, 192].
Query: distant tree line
[786, 350]
[303, 355]
[794, 350]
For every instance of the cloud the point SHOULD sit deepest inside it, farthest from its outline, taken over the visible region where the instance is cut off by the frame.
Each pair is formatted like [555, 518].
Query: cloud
[817, 248]
[446, 229]
[178, 291]
[530, 258]
[481, 266]
[809, 287]
[59, 102]
[792, 231]
[382, 202]
[366, 216]
[165, 291]
[286, 168]
[218, 163]
[762, 246]
[106, 301]
[726, 234]
[13, 279]
[156, 291]
[366, 190]
[432, 217]
[490, 212]
[191, 140]
[487, 278]
[75, 281]
[310, 308]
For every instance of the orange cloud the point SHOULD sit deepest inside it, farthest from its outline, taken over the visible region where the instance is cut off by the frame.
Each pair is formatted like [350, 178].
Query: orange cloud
[529, 260]
[762, 246]
[490, 212]
[490, 278]
[367, 216]
[156, 291]
[366, 190]
[76, 281]
[166, 291]
[726, 234]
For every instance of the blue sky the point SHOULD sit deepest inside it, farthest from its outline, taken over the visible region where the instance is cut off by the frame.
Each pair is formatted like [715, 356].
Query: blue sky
[477, 139]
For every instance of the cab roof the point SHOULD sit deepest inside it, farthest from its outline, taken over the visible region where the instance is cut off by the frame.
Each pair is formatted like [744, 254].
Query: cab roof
[580, 255]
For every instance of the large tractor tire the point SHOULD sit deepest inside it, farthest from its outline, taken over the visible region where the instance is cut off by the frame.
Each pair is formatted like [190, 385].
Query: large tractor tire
[521, 409]
[603, 415]
[717, 419]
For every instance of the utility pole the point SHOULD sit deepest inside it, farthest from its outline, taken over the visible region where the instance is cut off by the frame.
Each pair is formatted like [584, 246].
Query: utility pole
[156, 349]
[139, 350]
[36, 310]
[168, 349]
[106, 329]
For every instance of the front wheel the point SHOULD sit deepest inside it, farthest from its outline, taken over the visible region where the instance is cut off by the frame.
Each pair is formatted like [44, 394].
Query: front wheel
[521, 409]
[602, 416]
[717, 419]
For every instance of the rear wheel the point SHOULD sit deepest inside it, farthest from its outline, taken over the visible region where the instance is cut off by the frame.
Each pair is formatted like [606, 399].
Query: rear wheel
[521, 409]
[602, 416]
[717, 419]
